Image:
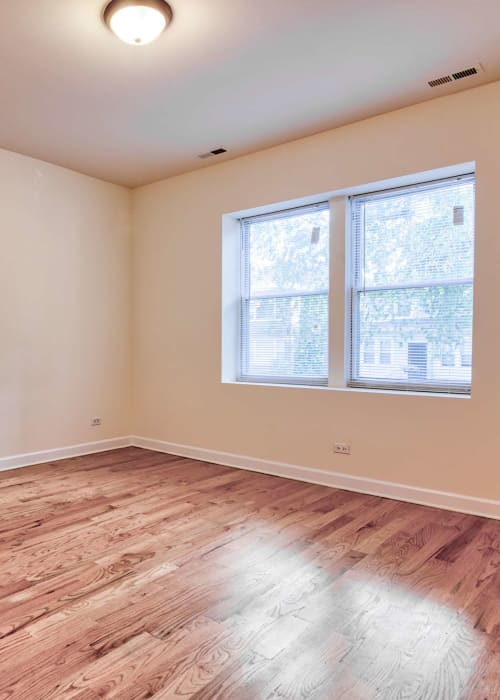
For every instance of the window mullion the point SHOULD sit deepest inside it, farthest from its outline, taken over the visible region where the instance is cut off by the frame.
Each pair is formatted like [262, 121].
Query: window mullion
[338, 312]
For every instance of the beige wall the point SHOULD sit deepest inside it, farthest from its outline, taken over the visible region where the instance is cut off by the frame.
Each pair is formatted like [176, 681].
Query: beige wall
[65, 307]
[66, 301]
[449, 444]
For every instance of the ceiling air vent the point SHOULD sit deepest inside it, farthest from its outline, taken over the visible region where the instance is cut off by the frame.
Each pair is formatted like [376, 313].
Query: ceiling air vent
[215, 152]
[465, 73]
[440, 81]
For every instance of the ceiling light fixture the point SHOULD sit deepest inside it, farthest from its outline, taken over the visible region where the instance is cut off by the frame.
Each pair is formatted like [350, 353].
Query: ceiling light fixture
[137, 22]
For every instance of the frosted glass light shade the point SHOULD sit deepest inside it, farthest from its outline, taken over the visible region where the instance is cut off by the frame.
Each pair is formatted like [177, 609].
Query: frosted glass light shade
[137, 22]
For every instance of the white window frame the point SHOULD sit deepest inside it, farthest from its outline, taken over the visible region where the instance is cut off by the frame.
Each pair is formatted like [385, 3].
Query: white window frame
[341, 302]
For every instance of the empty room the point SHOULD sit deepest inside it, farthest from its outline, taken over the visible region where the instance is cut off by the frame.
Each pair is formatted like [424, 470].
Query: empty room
[250, 328]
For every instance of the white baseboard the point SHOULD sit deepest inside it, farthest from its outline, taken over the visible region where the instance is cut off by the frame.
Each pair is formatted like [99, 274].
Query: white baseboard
[87, 448]
[386, 489]
[374, 487]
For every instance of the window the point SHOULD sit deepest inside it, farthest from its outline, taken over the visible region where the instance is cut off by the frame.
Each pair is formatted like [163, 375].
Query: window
[411, 252]
[369, 352]
[448, 358]
[284, 296]
[385, 355]
[368, 291]
[466, 353]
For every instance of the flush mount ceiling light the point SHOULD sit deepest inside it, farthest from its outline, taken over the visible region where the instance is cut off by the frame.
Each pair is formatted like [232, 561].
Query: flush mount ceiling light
[137, 22]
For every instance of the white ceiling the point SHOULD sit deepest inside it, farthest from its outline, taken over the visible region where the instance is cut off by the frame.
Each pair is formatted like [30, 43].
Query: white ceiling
[243, 74]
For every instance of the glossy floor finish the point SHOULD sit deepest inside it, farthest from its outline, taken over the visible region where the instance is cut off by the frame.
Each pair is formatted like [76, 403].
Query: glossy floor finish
[132, 574]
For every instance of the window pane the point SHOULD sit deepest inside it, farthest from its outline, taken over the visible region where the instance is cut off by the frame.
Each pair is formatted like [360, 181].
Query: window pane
[421, 344]
[413, 257]
[284, 307]
[417, 236]
[289, 253]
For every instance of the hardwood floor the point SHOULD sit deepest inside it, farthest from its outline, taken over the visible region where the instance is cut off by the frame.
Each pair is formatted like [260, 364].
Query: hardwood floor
[132, 574]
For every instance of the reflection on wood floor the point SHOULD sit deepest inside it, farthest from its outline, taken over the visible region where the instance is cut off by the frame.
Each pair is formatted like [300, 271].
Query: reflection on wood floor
[132, 574]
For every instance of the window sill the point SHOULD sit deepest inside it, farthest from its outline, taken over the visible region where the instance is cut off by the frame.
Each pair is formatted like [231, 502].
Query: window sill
[348, 389]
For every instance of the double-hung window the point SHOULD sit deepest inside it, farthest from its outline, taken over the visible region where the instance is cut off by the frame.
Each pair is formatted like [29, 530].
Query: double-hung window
[412, 284]
[284, 296]
[401, 316]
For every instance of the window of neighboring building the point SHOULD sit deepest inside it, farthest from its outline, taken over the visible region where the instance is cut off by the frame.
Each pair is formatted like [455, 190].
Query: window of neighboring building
[466, 354]
[448, 358]
[385, 354]
[369, 352]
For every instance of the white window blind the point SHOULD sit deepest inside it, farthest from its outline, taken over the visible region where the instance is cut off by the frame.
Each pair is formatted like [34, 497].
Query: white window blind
[412, 287]
[284, 296]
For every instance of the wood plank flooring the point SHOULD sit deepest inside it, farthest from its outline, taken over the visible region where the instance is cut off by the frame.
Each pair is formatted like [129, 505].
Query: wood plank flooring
[132, 574]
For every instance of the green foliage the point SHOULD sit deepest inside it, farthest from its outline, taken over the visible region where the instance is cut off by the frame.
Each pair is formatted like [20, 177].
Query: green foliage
[283, 257]
[411, 239]
[288, 257]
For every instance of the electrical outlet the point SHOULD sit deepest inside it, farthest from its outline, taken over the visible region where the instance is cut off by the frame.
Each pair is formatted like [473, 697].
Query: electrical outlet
[95, 422]
[342, 448]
